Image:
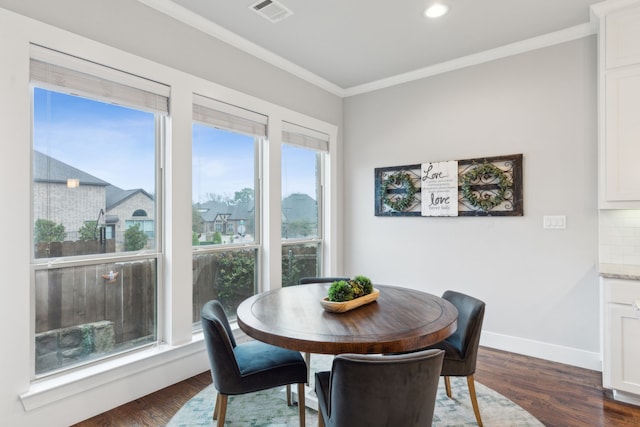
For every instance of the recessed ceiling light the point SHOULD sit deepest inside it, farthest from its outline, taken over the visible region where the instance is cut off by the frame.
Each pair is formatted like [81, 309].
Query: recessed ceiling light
[436, 10]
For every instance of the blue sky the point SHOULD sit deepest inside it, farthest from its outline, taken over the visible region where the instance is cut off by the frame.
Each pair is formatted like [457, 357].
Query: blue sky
[116, 144]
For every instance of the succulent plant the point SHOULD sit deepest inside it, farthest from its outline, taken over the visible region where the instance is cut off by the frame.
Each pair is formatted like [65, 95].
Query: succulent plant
[344, 290]
[341, 291]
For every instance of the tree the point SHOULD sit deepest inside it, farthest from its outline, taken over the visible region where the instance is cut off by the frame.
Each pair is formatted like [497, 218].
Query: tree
[47, 231]
[197, 222]
[245, 195]
[134, 238]
[88, 231]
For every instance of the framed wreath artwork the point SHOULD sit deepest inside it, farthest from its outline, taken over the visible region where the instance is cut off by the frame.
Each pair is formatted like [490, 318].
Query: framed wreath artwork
[489, 186]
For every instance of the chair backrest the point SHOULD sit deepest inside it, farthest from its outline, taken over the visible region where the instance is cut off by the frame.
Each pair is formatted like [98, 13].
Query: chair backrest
[466, 338]
[220, 343]
[305, 280]
[384, 390]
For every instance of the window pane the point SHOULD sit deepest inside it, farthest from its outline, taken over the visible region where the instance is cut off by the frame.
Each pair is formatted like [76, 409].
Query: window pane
[223, 187]
[90, 312]
[300, 190]
[300, 260]
[93, 169]
[228, 276]
[94, 192]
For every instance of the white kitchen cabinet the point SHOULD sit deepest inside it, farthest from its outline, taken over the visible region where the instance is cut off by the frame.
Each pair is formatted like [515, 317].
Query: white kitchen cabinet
[622, 146]
[619, 104]
[622, 38]
[621, 338]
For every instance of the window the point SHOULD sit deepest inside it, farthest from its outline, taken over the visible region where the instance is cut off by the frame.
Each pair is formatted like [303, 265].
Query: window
[96, 138]
[225, 203]
[303, 152]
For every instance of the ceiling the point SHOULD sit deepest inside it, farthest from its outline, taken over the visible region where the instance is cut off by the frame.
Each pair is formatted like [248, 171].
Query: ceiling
[350, 46]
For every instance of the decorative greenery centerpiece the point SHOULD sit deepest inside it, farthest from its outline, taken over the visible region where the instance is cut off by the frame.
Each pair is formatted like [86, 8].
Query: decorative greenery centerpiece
[347, 290]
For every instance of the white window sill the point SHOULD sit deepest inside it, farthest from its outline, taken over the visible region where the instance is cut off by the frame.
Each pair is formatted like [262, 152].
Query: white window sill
[50, 390]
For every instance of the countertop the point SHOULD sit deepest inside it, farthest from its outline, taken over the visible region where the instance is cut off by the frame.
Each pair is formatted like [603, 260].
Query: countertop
[620, 271]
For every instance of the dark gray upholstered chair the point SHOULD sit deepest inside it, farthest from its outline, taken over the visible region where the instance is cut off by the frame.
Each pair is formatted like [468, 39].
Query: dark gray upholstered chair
[306, 281]
[248, 367]
[461, 348]
[366, 390]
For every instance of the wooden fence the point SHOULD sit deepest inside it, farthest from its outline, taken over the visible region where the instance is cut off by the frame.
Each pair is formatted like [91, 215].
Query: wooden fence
[72, 296]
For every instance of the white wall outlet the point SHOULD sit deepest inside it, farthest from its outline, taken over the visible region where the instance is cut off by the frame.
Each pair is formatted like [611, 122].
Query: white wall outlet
[554, 221]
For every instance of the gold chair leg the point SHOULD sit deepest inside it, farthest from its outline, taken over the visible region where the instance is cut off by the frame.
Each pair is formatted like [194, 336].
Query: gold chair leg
[217, 408]
[221, 409]
[301, 404]
[474, 400]
[320, 419]
[289, 400]
[447, 386]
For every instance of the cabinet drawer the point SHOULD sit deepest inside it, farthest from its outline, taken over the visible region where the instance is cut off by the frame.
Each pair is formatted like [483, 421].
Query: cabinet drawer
[620, 291]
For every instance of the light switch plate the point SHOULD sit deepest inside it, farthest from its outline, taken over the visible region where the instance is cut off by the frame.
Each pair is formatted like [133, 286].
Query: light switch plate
[554, 222]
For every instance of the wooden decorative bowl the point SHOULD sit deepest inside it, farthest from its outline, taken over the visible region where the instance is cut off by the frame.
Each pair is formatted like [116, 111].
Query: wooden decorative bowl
[341, 307]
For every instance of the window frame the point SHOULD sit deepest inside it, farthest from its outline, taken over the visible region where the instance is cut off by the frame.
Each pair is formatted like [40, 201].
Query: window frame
[259, 143]
[303, 137]
[155, 254]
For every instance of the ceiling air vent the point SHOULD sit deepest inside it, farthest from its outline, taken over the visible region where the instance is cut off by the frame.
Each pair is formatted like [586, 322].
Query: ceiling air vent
[271, 10]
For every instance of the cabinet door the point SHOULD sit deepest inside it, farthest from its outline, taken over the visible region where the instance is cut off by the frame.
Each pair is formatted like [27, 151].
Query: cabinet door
[622, 35]
[622, 152]
[624, 348]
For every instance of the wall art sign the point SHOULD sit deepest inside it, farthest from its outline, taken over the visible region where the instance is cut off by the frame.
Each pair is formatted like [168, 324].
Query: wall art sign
[490, 186]
[440, 188]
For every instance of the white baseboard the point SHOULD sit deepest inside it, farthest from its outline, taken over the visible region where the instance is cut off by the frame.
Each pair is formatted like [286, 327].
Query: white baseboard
[542, 350]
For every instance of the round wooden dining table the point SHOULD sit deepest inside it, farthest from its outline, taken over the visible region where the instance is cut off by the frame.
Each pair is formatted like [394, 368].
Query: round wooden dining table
[400, 320]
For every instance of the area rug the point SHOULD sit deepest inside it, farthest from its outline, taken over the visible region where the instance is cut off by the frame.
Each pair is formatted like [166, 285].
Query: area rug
[269, 408]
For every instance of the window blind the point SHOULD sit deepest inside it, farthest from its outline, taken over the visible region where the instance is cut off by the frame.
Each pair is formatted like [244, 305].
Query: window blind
[304, 137]
[226, 116]
[55, 71]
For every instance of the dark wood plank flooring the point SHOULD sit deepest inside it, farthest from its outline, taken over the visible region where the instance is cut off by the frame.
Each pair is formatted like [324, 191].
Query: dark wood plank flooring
[557, 394]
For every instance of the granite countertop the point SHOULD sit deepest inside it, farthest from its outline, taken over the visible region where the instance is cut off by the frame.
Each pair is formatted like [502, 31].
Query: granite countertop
[620, 271]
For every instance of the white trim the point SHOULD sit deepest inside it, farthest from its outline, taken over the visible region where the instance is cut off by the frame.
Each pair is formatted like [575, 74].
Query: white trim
[196, 21]
[51, 390]
[187, 17]
[606, 7]
[534, 43]
[555, 353]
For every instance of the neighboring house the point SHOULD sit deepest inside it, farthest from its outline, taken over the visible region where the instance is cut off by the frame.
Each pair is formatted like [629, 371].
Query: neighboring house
[72, 197]
[225, 218]
[299, 213]
[126, 208]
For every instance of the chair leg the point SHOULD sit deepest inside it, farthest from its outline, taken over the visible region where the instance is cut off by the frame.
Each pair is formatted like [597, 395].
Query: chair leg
[320, 419]
[289, 400]
[217, 408]
[301, 404]
[474, 400]
[307, 360]
[447, 386]
[221, 409]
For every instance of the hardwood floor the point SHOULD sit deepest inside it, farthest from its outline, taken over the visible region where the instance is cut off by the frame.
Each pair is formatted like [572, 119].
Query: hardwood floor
[558, 395]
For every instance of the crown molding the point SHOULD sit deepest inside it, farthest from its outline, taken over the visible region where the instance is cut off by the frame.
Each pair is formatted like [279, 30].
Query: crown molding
[550, 39]
[184, 15]
[198, 22]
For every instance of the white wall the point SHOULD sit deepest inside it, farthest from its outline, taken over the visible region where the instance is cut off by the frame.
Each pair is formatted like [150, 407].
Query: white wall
[126, 27]
[540, 286]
